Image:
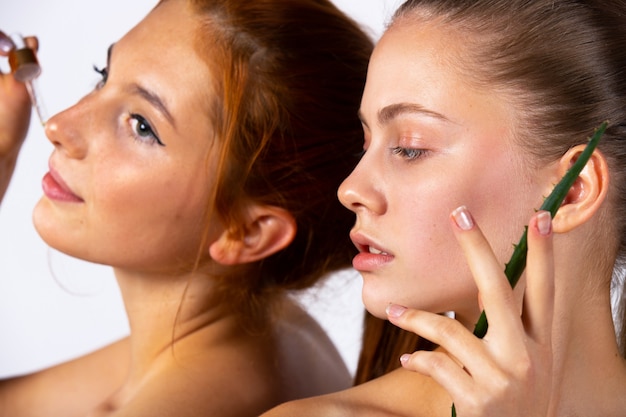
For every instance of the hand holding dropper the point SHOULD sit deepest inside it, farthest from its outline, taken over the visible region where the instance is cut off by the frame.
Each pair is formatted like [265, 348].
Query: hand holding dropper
[25, 68]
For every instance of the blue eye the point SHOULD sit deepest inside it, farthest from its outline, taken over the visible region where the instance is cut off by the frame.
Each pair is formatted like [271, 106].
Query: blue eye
[408, 153]
[142, 130]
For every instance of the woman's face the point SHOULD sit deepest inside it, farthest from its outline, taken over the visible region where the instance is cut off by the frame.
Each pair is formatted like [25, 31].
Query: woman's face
[432, 143]
[128, 180]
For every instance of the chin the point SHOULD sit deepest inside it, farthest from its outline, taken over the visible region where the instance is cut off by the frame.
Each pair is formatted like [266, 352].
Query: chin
[52, 231]
[41, 220]
[374, 303]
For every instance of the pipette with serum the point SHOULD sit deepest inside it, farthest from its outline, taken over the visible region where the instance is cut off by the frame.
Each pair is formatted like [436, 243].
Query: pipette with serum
[25, 68]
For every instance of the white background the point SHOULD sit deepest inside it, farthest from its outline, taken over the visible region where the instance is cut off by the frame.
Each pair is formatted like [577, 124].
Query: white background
[52, 307]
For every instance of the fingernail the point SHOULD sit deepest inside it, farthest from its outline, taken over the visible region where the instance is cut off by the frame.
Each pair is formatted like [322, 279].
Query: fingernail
[395, 311]
[6, 45]
[544, 223]
[404, 358]
[463, 218]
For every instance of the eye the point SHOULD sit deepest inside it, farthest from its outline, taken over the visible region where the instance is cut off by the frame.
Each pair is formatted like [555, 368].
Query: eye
[142, 130]
[408, 153]
[104, 73]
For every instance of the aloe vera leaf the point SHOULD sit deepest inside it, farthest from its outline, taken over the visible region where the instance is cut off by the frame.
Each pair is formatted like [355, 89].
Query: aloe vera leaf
[516, 265]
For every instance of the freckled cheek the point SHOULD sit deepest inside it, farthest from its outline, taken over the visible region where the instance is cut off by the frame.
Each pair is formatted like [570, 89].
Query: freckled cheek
[129, 197]
[424, 213]
[186, 205]
[425, 208]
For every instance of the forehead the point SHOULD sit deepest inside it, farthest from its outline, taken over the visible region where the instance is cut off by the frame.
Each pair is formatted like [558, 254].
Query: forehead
[424, 63]
[162, 51]
[424, 66]
[170, 28]
[413, 58]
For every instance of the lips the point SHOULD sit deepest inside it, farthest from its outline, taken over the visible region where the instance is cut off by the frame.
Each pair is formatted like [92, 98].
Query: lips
[55, 188]
[371, 256]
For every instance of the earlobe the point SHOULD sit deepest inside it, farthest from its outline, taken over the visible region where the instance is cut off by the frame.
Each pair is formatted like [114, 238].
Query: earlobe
[586, 194]
[225, 250]
[268, 230]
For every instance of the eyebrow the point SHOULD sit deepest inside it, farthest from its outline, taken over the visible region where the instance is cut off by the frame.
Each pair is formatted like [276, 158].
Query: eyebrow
[389, 113]
[155, 100]
[146, 94]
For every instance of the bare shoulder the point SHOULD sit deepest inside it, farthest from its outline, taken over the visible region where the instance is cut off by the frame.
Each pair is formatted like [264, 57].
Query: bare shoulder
[89, 378]
[242, 375]
[397, 394]
[325, 405]
[348, 403]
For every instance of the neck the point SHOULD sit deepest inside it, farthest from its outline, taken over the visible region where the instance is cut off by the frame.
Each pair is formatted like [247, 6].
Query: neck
[167, 312]
[589, 373]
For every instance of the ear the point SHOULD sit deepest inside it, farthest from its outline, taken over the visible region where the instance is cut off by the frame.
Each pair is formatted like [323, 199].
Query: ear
[268, 229]
[587, 193]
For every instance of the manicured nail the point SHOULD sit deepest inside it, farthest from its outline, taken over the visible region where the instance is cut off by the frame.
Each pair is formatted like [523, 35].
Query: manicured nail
[544, 223]
[404, 358]
[6, 45]
[395, 311]
[463, 218]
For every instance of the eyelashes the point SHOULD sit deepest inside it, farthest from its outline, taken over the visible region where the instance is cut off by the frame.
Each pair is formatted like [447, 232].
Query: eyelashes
[104, 73]
[408, 153]
[142, 130]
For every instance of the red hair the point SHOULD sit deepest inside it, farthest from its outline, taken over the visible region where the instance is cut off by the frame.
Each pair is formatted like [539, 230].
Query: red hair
[288, 79]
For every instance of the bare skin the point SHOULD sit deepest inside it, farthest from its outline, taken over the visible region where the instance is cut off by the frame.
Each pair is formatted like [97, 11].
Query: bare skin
[203, 370]
[110, 187]
[12, 131]
[434, 143]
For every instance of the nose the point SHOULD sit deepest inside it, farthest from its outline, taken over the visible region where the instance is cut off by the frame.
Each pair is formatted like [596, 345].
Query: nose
[361, 191]
[66, 130]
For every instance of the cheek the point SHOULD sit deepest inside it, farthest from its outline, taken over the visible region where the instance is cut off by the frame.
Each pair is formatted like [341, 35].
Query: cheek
[497, 195]
[144, 186]
[428, 242]
[163, 211]
[505, 199]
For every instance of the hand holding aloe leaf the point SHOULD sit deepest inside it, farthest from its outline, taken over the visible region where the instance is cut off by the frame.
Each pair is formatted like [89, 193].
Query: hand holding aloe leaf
[517, 263]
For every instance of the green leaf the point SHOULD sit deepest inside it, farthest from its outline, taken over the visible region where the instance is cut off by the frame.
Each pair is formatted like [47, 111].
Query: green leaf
[516, 265]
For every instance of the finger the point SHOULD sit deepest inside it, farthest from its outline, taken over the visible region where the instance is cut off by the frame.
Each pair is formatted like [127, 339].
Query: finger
[463, 347]
[539, 295]
[32, 42]
[442, 368]
[495, 291]
[6, 44]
